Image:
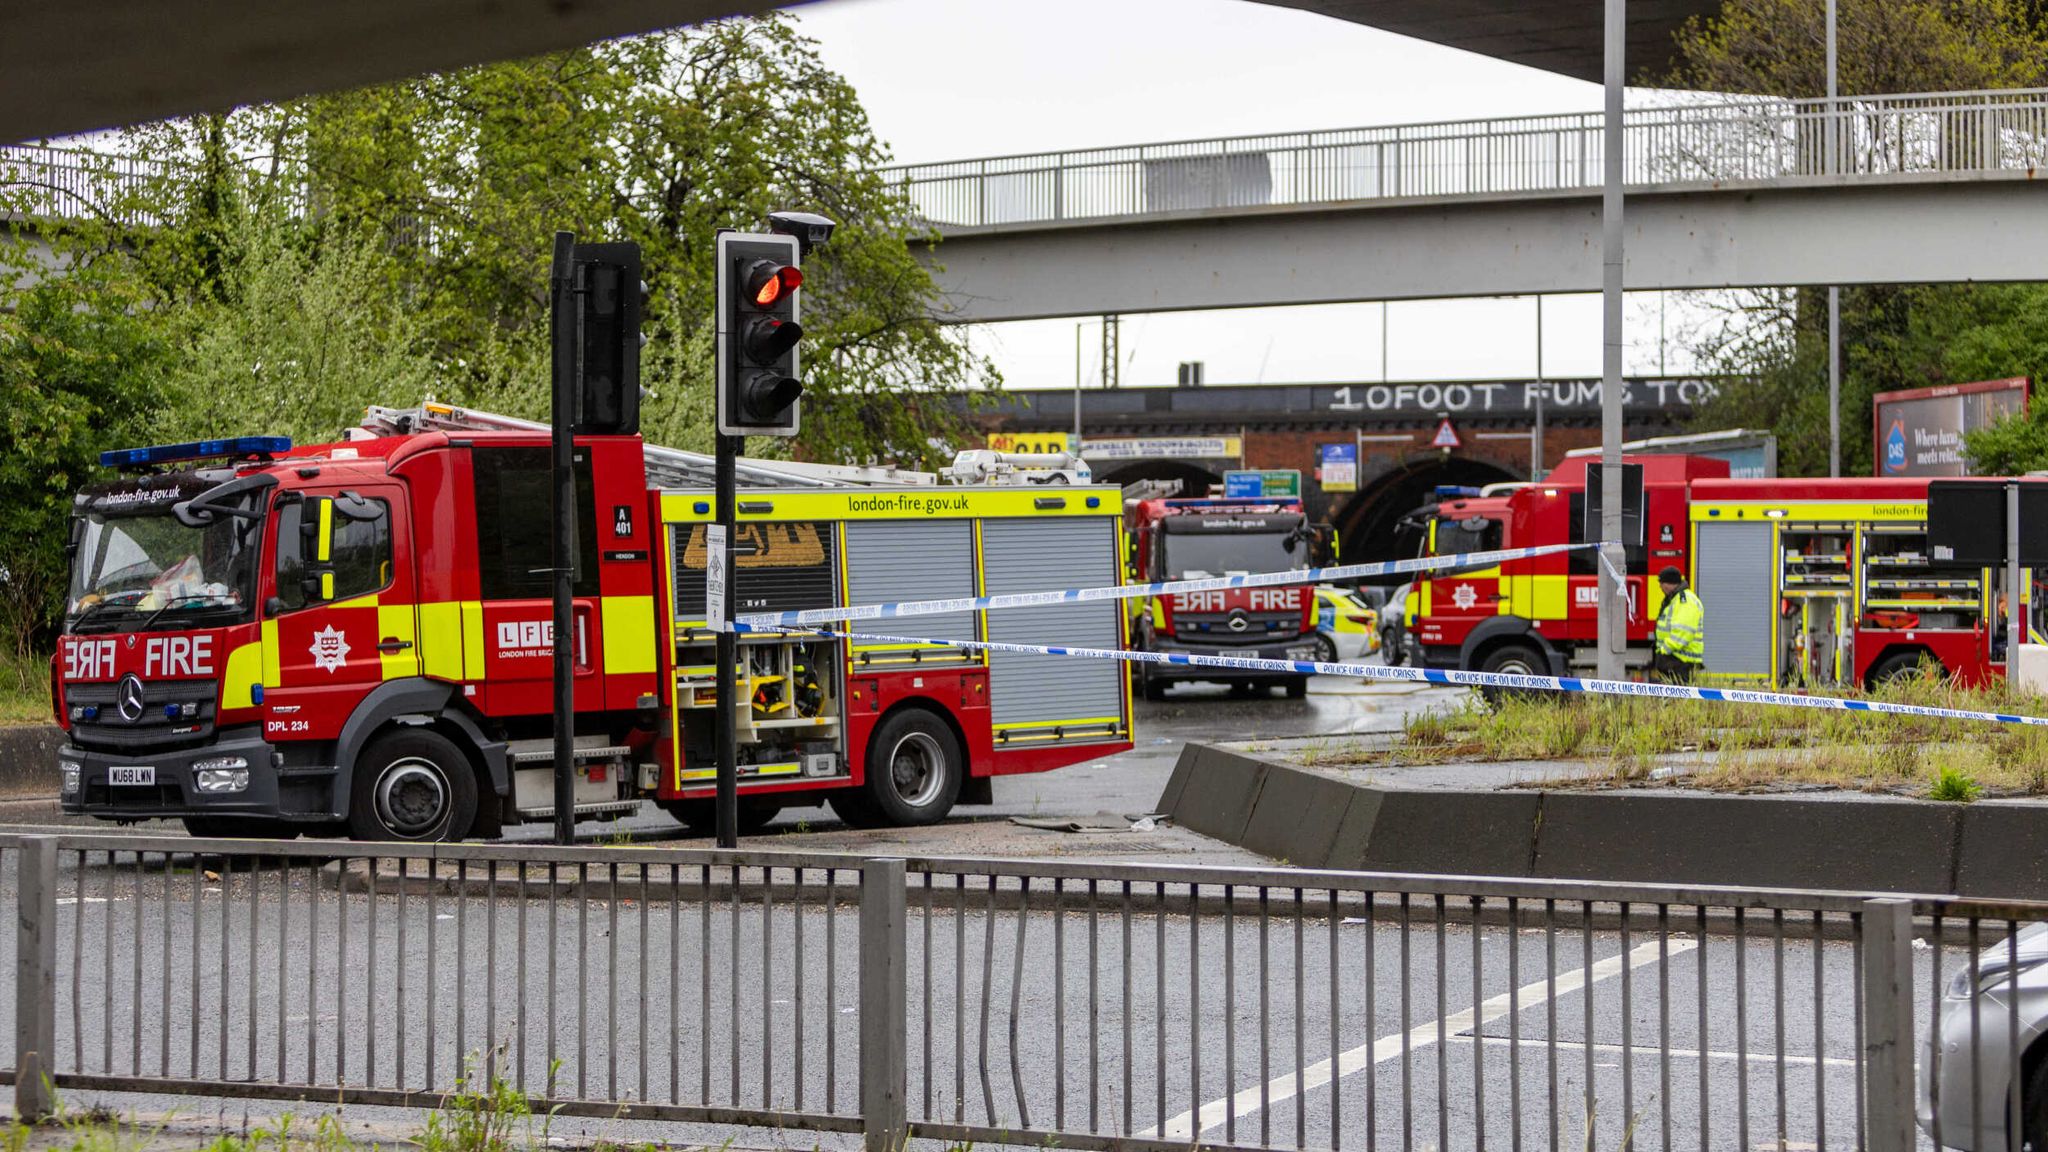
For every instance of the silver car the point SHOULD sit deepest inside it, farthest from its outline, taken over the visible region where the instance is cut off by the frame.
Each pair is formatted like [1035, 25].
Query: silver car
[1945, 1087]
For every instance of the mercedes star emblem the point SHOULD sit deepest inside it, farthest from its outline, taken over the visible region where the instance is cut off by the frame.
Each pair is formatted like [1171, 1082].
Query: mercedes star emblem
[129, 698]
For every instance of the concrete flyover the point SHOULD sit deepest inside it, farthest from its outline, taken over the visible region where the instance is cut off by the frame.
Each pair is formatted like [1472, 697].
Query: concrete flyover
[1750, 193]
[68, 68]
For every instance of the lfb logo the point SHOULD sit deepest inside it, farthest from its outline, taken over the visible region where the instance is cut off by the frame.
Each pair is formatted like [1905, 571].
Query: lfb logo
[1895, 446]
[515, 634]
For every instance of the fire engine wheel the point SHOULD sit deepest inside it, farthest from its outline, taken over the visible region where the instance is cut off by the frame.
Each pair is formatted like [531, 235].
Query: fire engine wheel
[412, 784]
[1512, 660]
[1903, 667]
[1297, 688]
[915, 768]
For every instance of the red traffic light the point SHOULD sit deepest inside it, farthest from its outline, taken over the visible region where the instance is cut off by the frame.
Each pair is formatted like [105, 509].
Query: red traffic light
[768, 281]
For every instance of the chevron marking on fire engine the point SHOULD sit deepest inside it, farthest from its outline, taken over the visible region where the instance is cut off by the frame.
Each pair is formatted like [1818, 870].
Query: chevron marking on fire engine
[1459, 679]
[759, 621]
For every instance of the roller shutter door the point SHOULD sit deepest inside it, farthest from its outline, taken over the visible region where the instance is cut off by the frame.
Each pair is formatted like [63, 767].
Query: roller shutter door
[892, 560]
[1733, 581]
[1031, 695]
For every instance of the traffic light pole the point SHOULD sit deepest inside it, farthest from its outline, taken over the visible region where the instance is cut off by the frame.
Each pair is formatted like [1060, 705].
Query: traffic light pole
[563, 474]
[727, 652]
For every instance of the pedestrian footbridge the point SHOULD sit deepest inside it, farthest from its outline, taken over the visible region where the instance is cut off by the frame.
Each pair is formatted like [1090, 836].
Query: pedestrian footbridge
[1737, 192]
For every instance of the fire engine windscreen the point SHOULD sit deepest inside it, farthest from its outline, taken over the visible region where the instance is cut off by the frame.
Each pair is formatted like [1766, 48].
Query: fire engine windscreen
[1466, 534]
[136, 566]
[1196, 547]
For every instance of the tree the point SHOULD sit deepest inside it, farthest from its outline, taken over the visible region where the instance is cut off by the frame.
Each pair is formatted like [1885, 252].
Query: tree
[1892, 336]
[1779, 47]
[274, 268]
[661, 140]
[79, 370]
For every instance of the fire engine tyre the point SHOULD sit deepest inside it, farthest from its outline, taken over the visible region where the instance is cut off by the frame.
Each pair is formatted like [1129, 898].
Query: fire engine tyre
[1512, 660]
[915, 768]
[1903, 666]
[1297, 688]
[1153, 687]
[412, 784]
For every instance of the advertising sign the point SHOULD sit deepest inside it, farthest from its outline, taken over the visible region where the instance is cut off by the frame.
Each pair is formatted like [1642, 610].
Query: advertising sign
[1269, 482]
[1919, 432]
[1164, 448]
[1031, 443]
[1339, 472]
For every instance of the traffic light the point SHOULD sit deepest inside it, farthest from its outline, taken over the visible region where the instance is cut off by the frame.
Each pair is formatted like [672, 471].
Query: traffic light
[610, 301]
[758, 333]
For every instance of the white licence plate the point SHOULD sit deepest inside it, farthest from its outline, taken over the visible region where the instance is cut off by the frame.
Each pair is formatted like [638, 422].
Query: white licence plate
[132, 774]
[1251, 652]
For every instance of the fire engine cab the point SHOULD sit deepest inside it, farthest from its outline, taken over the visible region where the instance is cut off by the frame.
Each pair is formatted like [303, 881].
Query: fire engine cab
[1807, 583]
[356, 637]
[1188, 539]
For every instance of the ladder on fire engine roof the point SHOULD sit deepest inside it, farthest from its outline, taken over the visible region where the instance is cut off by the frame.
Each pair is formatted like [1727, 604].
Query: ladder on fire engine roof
[666, 467]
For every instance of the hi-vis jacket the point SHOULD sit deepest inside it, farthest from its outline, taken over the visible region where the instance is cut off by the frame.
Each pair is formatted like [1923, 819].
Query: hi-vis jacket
[1681, 627]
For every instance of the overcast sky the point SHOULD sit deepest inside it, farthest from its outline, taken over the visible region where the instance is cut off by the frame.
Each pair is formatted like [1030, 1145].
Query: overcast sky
[950, 80]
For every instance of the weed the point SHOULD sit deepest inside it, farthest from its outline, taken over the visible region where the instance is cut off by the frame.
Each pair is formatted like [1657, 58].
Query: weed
[1954, 786]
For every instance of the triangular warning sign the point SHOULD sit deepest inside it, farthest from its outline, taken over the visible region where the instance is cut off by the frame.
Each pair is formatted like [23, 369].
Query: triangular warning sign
[1446, 436]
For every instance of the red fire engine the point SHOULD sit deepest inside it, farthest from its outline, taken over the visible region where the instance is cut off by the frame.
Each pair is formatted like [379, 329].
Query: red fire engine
[356, 636]
[1807, 583]
[1184, 539]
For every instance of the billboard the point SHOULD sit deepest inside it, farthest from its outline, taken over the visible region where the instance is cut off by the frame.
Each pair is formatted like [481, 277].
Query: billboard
[1919, 432]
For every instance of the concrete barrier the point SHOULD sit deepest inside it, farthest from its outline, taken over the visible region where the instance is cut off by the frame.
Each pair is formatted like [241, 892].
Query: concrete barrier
[1865, 844]
[28, 761]
[1749, 841]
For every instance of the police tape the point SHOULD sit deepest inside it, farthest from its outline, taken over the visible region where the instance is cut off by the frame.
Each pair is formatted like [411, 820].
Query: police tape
[757, 621]
[1455, 678]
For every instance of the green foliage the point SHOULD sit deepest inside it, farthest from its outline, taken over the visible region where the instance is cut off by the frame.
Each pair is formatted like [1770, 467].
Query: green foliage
[276, 268]
[1893, 337]
[305, 333]
[1778, 47]
[1953, 786]
[77, 367]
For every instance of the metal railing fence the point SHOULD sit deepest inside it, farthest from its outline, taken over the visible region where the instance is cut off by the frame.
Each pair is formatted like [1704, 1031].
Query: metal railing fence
[1007, 1002]
[1953, 134]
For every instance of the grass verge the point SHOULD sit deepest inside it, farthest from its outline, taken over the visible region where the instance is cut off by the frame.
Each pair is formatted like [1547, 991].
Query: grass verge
[24, 689]
[1746, 747]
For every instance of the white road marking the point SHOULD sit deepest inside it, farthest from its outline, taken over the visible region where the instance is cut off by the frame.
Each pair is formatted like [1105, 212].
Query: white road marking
[1766, 1059]
[1248, 1101]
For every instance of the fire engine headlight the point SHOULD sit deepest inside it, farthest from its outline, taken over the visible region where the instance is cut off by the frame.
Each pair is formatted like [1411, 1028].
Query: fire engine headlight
[72, 771]
[225, 774]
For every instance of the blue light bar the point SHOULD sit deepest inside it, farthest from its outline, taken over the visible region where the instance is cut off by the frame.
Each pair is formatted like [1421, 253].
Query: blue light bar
[1448, 491]
[196, 450]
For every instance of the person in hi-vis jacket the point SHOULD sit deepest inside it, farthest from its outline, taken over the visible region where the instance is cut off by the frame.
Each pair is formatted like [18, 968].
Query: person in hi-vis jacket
[1681, 631]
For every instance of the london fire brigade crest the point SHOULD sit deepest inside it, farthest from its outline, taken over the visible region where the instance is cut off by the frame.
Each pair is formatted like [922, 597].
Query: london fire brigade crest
[330, 649]
[1464, 597]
